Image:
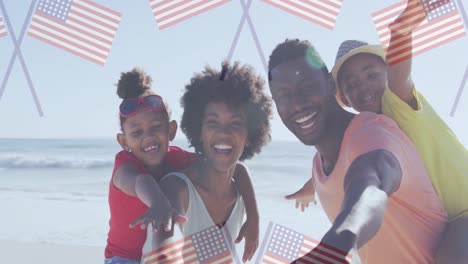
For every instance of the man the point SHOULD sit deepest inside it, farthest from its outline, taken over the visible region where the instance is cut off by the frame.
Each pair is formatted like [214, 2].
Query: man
[368, 175]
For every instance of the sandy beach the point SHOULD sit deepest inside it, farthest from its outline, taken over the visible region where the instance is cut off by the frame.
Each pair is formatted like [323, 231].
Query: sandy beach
[25, 253]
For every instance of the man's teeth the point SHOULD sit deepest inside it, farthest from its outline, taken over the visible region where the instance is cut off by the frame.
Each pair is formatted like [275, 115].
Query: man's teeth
[150, 148]
[222, 146]
[301, 121]
[307, 126]
[305, 118]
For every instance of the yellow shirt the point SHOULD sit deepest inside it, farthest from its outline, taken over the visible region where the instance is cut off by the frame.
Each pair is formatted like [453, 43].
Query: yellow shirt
[444, 156]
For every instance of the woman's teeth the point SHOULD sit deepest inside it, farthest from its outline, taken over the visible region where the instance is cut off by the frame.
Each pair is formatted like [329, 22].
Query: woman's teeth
[222, 147]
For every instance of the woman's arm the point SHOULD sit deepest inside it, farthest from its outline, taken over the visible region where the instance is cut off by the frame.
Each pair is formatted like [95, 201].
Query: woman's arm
[246, 190]
[250, 229]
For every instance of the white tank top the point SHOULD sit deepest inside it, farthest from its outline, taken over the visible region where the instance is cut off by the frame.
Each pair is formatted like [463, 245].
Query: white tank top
[198, 216]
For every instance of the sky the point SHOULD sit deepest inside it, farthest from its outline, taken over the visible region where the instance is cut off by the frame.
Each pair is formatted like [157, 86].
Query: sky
[79, 97]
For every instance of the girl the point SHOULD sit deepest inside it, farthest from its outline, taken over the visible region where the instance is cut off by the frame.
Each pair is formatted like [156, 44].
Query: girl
[146, 157]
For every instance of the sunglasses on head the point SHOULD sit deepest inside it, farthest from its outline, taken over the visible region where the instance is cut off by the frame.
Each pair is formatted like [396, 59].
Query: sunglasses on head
[151, 102]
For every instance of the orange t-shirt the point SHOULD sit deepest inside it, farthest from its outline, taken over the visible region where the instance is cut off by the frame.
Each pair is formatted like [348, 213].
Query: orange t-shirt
[414, 220]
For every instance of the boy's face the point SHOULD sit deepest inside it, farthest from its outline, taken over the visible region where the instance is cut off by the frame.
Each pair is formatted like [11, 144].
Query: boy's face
[362, 79]
[300, 93]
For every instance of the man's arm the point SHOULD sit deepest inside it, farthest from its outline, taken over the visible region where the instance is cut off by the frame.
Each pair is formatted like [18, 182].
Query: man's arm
[369, 181]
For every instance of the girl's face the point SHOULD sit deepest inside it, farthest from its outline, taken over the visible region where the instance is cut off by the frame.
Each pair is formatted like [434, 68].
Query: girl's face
[363, 79]
[223, 135]
[147, 134]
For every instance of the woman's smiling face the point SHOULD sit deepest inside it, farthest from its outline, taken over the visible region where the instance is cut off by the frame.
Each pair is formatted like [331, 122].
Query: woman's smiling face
[223, 135]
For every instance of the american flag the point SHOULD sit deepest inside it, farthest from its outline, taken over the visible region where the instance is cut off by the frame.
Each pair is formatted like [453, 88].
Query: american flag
[322, 12]
[208, 246]
[443, 24]
[170, 12]
[3, 31]
[80, 27]
[283, 245]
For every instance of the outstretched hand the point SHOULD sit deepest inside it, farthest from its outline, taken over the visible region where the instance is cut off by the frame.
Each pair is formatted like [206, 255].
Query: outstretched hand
[250, 232]
[159, 215]
[304, 196]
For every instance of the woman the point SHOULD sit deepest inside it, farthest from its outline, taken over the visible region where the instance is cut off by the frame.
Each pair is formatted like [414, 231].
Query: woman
[226, 119]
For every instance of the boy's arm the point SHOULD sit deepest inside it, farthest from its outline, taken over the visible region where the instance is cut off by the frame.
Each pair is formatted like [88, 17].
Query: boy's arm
[370, 180]
[399, 71]
[250, 229]
[304, 196]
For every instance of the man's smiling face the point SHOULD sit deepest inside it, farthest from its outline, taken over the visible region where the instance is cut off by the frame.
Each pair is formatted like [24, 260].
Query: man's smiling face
[300, 92]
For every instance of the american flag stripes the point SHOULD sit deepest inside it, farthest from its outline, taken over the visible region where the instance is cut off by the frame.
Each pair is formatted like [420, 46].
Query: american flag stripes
[171, 12]
[81, 27]
[443, 24]
[322, 12]
[3, 31]
[283, 245]
[209, 246]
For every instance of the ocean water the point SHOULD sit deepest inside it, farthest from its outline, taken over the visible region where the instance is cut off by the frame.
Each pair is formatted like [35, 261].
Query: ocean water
[55, 190]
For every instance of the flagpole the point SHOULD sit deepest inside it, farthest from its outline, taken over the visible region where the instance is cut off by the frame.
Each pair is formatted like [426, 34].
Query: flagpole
[255, 37]
[17, 52]
[460, 91]
[261, 250]
[463, 13]
[239, 29]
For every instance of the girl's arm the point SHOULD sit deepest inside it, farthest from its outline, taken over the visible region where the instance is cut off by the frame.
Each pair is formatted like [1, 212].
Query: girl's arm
[401, 40]
[178, 195]
[250, 229]
[144, 187]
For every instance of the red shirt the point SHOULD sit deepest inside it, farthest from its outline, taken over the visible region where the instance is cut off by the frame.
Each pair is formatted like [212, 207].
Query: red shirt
[123, 241]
